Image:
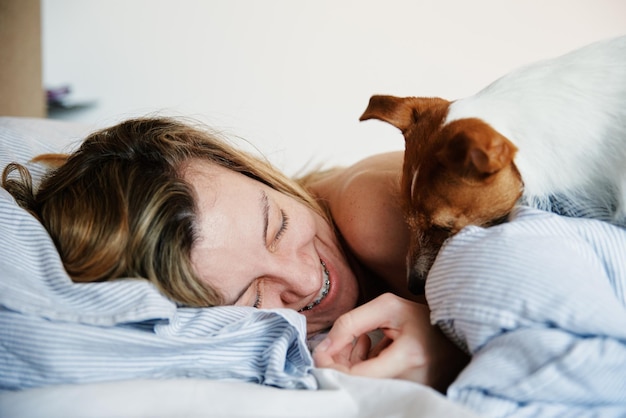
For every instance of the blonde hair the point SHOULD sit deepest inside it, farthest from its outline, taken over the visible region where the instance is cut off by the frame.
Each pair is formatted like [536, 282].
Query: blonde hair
[118, 207]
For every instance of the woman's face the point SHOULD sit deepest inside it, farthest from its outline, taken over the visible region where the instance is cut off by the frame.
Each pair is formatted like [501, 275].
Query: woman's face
[259, 247]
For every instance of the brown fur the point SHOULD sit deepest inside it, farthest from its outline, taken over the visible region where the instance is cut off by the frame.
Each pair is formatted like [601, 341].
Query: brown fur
[453, 175]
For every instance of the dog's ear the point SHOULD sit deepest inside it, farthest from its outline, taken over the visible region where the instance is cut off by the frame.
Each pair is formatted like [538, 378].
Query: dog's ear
[473, 147]
[394, 110]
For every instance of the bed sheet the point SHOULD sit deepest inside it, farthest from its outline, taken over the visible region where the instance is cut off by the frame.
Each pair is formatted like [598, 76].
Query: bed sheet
[340, 396]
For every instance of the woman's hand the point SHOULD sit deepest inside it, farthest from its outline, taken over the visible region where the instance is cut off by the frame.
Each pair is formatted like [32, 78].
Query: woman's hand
[411, 348]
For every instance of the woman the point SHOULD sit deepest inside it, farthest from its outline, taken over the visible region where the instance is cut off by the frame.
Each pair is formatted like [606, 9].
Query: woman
[210, 225]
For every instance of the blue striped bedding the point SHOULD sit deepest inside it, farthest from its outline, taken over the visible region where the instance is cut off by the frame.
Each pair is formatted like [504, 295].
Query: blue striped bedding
[539, 302]
[54, 331]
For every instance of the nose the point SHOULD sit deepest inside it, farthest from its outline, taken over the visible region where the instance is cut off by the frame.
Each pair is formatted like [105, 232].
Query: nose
[416, 282]
[294, 283]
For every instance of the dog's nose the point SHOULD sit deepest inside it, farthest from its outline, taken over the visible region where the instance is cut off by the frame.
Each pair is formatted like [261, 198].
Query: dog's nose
[416, 282]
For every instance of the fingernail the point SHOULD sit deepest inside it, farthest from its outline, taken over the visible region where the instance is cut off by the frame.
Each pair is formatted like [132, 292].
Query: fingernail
[323, 346]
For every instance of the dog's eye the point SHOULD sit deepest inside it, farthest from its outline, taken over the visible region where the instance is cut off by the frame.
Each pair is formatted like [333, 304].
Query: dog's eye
[442, 228]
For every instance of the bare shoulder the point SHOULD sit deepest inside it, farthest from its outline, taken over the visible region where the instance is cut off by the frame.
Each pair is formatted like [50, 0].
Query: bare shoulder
[367, 185]
[363, 200]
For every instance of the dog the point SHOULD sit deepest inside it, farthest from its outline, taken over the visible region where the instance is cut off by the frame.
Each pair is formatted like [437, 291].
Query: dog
[549, 134]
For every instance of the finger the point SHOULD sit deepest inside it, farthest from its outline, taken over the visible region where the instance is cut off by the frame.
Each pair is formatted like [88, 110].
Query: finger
[359, 321]
[378, 348]
[322, 356]
[361, 349]
[348, 355]
[392, 361]
[338, 340]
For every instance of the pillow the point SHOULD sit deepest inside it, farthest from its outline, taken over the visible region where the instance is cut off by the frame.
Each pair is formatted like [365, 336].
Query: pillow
[23, 138]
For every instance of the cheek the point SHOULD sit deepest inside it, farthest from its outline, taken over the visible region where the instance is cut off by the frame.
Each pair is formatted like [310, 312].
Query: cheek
[311, 224]
[224, 270]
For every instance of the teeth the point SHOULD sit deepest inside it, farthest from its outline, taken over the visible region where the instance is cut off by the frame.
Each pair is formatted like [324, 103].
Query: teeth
[323, 290]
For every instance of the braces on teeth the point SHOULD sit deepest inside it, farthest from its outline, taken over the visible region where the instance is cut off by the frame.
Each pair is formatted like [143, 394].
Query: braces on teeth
[325, 290]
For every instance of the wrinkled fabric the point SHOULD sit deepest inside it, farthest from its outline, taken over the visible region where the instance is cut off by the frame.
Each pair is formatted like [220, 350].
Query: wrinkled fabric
[55, 331]
[539, 302]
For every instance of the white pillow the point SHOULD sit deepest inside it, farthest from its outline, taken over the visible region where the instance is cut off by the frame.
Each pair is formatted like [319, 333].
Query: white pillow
[24, 138]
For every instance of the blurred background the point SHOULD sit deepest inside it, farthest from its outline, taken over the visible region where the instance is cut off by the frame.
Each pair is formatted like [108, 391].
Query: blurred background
[292, 77]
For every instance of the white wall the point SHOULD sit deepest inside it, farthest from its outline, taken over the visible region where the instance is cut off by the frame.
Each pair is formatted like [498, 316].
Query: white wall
[293, 76]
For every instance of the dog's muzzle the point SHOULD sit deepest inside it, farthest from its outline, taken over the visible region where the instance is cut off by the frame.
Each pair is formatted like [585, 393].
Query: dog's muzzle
[416, 282]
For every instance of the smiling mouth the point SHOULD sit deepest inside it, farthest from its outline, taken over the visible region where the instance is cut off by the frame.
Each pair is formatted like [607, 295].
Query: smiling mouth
[323, 291]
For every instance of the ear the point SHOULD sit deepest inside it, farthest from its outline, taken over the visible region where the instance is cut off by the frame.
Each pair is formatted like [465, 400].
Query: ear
[474, 147]
[394, 110]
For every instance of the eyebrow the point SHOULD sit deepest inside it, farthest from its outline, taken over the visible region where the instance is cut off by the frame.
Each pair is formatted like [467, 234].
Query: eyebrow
[265, 210]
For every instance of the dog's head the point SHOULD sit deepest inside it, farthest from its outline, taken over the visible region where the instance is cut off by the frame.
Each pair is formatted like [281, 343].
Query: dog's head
[454, 175]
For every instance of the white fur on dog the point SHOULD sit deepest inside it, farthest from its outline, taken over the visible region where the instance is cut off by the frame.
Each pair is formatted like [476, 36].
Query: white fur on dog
[567, 116]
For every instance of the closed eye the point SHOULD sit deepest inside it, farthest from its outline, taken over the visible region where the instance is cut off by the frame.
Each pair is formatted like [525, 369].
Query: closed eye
[283, 225]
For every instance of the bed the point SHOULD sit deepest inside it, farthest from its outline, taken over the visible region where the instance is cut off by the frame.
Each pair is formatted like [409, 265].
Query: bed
[108, 385]
[540, 304]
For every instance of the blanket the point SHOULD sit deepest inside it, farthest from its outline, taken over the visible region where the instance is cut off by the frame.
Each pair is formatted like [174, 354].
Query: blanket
[539, 302]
